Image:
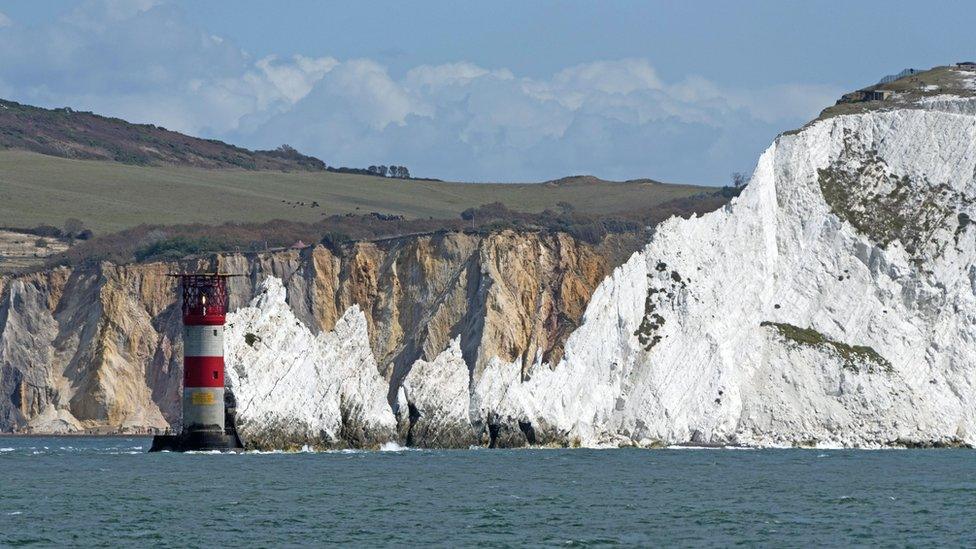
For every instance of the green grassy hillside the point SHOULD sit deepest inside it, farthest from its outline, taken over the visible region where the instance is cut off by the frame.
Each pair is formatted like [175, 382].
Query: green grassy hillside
[110, 196]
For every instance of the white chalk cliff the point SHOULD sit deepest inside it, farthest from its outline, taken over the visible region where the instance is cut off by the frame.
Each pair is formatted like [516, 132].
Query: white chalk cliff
[777, 321]
[833, 303]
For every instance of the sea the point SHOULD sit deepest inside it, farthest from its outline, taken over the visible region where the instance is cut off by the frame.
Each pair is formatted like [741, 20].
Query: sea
[78, 491]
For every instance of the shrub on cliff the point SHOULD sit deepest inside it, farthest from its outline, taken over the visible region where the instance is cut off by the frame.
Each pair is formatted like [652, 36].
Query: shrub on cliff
[175, 248]
[333, 240]
[494, 210]
[46, 230]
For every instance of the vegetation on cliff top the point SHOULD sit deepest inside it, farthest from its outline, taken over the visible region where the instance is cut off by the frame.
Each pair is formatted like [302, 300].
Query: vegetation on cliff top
[151, 242]
[903, 93]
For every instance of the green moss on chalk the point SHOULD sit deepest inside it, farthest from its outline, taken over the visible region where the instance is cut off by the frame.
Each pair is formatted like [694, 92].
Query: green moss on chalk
[861, 190]
[651, 323]
[854, 356]
[251, 339]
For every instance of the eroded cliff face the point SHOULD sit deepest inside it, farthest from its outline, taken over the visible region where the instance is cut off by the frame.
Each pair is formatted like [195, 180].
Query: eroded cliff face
[97, 349]
[831, 304]
[86, 350]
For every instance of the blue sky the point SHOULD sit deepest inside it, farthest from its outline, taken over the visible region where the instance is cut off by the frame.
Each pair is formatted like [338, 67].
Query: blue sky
[476, 91]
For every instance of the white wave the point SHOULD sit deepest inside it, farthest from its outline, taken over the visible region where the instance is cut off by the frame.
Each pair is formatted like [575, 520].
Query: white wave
[686, 447]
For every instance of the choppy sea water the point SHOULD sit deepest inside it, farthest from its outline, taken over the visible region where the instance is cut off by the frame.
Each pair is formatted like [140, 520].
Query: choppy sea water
[109, 491]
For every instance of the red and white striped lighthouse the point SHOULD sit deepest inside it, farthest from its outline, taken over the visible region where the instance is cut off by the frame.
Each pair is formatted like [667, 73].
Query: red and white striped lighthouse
[204, 307]
[204, 312]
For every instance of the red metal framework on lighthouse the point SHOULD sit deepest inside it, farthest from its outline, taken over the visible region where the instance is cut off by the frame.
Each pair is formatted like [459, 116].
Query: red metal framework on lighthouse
[204, 298]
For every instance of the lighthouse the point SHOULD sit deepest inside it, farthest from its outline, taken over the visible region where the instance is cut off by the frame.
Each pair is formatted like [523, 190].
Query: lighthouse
[208, 419]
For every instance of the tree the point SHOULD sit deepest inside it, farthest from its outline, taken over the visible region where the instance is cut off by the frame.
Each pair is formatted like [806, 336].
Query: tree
[49, 231]
[382, 170]
[494, 210]
[404, 172]
[373, 170]
[739, 180]
[334, 240]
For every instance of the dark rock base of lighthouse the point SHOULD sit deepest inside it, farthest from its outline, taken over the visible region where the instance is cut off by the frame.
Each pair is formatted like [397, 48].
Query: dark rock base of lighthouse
[197, 441]
[205, 440]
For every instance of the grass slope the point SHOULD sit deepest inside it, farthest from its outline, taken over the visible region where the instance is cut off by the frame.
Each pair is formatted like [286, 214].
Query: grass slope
[906, 92]
[73, 134]
[110, 196]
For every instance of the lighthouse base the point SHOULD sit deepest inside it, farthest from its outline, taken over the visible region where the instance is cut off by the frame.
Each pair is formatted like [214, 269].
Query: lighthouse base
[198, 441]
[204, 440]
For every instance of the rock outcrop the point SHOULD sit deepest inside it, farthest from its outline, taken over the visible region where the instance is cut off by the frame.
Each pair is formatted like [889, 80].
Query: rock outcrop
[436, 397]
[291, 386]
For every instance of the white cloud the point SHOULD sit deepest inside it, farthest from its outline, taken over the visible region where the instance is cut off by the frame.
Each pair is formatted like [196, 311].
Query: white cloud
[293, 79]
[450, 74]
[616, 77]
[372, 96]
[614, 118]
[145, 62]
[4, 20]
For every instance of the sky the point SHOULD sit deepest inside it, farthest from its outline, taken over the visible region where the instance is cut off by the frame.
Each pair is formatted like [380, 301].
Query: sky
[476, 91]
